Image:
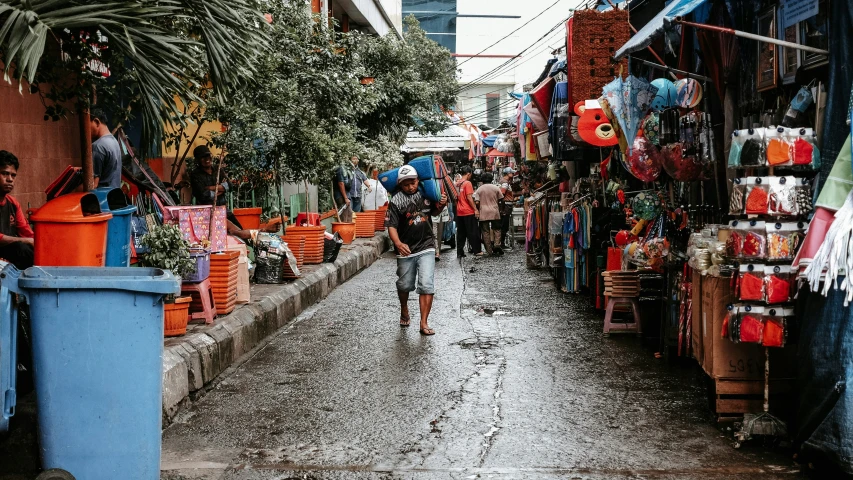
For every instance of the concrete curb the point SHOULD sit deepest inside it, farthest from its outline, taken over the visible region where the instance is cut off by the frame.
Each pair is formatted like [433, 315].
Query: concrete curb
[195, 360]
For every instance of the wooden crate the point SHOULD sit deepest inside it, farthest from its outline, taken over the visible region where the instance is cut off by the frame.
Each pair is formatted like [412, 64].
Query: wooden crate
[730, 399]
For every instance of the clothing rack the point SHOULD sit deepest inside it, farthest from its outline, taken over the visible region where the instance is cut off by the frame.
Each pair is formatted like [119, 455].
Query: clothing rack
[578, 200]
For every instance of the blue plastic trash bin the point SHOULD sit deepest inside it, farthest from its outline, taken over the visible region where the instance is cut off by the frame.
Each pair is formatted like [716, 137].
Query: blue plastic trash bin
[8, 355]
[97, 338]
[118, 229]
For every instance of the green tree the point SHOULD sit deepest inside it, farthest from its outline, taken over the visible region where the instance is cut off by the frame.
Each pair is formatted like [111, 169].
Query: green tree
[158, 50]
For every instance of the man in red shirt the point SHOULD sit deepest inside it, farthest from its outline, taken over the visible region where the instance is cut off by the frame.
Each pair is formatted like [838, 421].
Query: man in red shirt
[16, 236]
[467, 213]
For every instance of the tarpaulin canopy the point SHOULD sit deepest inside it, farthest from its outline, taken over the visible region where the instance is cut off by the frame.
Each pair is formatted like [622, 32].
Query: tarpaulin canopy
[494, 152]
[643, 38]
[452, 138]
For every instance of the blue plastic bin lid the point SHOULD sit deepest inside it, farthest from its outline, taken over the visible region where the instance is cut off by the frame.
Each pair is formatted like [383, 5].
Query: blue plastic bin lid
[132, 279]
[113, 200]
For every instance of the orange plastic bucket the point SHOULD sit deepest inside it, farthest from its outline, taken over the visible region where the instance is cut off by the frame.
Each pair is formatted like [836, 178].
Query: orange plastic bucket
[74, 219]
[249, 218]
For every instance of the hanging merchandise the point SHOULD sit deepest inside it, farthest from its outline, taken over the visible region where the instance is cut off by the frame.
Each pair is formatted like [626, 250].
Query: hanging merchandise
[651, 128]
[594, 127]
[804, 148]
[595, 36]
[747, 148]
[754, 241]
[629, 100]
[782, 200]
[757, 195]
[778, 149]
[751, 283]
[665, 96]
[734, 242]
[750, 324]
[643, 160]
[776, 321]
[688, 93]
[542, 95]
[804, 195]
[655, 244]
[682, 167]
[779, 283]
[784, 239]
[737, 201]
[646, 205]
[669, 126]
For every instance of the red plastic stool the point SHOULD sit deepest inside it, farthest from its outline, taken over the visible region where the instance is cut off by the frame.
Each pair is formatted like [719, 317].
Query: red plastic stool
[203, 307]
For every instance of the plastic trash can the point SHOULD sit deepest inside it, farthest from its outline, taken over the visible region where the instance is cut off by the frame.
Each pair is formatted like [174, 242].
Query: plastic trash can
[97, 338]
[118, 228]
[76, 222]
[8, 355]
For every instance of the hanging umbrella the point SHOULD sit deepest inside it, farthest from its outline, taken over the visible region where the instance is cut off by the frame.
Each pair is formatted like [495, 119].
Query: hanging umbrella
[635, 97]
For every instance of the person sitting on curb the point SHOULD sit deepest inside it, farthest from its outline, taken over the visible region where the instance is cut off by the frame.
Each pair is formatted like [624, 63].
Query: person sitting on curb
[410, 227]
[16, 236]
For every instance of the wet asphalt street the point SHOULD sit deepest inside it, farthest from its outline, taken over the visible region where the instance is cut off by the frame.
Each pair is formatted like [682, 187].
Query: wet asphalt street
[531, 391]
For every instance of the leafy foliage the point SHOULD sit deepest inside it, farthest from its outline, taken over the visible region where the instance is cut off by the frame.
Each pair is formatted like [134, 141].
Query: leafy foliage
[307, 110]
[160, 50]
[168, 250]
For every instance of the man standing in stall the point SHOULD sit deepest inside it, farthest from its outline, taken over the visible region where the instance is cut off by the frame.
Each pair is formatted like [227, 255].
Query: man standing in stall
[16, 236]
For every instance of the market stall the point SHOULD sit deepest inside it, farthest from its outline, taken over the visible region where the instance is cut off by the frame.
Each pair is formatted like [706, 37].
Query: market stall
[695, 153]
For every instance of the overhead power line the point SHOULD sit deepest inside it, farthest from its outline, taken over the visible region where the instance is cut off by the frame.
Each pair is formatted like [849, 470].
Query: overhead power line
[510, 33]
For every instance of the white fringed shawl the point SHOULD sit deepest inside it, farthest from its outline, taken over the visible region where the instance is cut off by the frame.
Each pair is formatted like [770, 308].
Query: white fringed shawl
[835, 255]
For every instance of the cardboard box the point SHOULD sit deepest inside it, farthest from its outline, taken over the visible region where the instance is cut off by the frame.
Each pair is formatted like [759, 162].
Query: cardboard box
[697, 337]
[724, 359]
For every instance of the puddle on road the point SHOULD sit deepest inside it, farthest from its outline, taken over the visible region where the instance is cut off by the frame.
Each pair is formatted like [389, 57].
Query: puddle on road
[490, 311]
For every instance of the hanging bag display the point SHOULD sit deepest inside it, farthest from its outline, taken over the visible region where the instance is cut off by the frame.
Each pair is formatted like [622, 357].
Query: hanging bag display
[757, 196]
[778, 283]
[782, 199]
[751, 283]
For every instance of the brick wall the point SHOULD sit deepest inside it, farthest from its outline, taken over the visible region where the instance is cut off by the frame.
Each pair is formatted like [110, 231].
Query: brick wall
[44, 148]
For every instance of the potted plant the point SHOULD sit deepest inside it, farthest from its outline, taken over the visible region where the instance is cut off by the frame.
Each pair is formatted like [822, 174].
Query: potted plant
[168, 250]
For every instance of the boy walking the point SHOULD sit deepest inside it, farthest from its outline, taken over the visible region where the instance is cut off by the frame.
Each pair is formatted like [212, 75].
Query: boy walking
[410, 228]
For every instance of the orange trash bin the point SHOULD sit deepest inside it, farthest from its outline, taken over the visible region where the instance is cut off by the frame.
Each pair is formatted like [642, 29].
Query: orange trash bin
[71, 231]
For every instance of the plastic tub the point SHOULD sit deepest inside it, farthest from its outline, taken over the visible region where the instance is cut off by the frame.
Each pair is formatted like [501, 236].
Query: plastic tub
[202, 267]
[118, 228]
[97, 337]
[8, 357]
[249, 218]
[74, 219]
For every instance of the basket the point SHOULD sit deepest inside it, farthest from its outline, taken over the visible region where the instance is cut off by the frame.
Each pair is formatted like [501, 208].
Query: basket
[365, 224]
[314, 236]
[595, 38]
[297, 247]
[223, 280]
[202, 267]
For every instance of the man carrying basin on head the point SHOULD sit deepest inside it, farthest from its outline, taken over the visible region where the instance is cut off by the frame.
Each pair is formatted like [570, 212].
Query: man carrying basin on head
[409, 222]
[16, 236]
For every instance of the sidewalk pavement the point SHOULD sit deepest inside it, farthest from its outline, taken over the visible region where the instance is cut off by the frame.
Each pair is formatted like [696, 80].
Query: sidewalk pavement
[191, 362]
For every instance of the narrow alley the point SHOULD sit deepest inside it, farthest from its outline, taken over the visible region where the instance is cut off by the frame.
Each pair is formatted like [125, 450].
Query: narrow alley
[517, 383]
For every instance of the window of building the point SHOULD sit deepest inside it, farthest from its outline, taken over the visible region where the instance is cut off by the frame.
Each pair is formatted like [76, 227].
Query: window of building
[493, 110]
[437, 18]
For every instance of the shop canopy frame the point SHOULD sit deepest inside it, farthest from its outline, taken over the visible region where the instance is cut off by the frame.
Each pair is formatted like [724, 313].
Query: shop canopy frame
[675, 12]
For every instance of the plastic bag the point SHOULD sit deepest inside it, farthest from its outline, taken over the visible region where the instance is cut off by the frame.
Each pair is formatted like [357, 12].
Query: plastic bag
[803, 188]
[737, 201]
[754, 241]
[782, 199]
[804, 151]
[757, 196]
[644, 160]
[747, 148]
[751, 283]
[269, 269]
[750, 324]
[775, 332]
[781, 240]
[778, 147]
[778, 283]
[734, 242]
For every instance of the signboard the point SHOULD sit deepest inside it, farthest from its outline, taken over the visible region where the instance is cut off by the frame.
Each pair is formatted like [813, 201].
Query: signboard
[794, 11]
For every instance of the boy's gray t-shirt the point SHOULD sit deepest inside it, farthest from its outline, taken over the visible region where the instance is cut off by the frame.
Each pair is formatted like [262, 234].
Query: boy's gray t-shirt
[106, 161]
